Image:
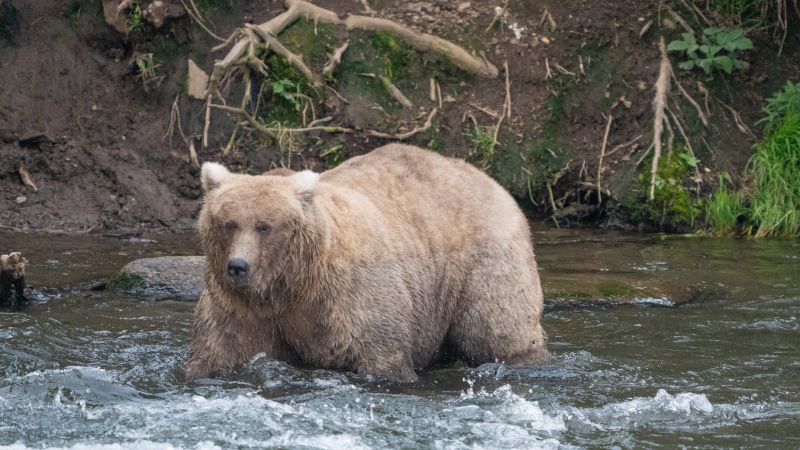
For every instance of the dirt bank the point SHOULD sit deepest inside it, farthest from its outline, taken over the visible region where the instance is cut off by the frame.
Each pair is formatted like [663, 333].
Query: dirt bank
[95, 139]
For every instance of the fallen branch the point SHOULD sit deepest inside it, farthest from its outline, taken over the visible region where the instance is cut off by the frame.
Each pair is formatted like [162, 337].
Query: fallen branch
[623, 146]
[407, 134]
[659, 105]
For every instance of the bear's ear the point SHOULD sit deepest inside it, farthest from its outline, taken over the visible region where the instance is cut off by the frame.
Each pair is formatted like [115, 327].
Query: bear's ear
[213, 175]
[305, 182]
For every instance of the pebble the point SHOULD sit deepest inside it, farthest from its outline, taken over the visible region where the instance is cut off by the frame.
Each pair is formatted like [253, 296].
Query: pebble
[21, 199]
[463, 6]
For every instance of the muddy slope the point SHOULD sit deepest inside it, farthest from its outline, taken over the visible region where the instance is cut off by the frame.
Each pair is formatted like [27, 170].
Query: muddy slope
[75, 114]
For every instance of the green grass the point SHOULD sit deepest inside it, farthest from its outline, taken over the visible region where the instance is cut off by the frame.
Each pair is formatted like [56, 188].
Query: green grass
[775, 203]
[782, 103]
[724, 209]
[752, 13]
[481, 140]
[135, 19]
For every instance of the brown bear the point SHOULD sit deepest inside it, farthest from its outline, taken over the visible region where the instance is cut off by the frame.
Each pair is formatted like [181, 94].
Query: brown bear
[378, 266]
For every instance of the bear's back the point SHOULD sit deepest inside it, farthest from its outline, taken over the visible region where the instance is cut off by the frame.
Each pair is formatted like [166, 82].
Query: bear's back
[437, 195]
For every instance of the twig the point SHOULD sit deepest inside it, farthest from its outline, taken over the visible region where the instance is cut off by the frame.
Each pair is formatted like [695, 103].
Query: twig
[659, 104]
[486, 111]
[198, 18]
[602, 155]
[193, 154]
[207, 124]
[395, 92]
[686, 139]
[506, 103]
[680, 20]
[330, 66]
[738, 120]
[407, 134]
[622, 146]
[690, 99]
[548, 74]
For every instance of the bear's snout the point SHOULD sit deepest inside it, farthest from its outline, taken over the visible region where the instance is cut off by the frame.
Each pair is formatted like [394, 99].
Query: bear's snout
[237, 269]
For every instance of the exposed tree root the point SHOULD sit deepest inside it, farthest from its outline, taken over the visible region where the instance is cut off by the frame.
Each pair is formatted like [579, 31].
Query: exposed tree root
[250, 41]
[602, 155]
[659, 107]
[407, 134]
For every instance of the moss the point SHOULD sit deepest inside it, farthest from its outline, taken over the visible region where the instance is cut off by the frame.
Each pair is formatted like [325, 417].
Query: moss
[525, 168]
[314, 42]
[568, 294]
[125, 282]
[674, 206]
[612, 289]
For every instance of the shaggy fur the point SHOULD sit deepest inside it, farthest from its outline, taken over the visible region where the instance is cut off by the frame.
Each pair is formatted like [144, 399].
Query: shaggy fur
[377, 266]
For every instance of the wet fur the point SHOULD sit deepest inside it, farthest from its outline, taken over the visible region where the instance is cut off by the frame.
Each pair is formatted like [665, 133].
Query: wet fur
[390, 258]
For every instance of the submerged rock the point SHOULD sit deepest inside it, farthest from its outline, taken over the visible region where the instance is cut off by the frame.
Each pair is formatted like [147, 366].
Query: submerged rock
[162, 278]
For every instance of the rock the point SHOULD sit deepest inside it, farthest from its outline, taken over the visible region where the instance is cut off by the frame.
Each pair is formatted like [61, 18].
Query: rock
[162, 278]
[158, 12]
[21, 199]
[114, 17]
[196, 81]
[463, 6]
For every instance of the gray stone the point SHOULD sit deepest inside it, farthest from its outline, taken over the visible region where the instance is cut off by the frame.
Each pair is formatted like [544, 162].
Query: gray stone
[163, 278]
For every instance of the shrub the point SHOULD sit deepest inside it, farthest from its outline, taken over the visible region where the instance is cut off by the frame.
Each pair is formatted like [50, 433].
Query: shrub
[782, 104]
[718, 50]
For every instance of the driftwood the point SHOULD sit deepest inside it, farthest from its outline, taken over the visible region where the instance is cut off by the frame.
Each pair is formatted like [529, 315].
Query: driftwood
[12, 279]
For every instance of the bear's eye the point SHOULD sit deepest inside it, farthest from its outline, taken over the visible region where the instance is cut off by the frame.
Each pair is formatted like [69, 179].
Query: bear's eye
[229, 225]
[264, 228]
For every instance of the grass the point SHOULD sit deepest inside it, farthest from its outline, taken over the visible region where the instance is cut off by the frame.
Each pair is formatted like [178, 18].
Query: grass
[148, 69]
[481, 140]
[135, 20]
[724, 209]
[775, 202]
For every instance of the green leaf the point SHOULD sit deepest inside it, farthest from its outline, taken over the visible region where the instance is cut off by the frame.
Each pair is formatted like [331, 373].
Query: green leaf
[688, 38]
[706, 65]
[725, 63]
[689, 159]
[677, 46]
[687, 65]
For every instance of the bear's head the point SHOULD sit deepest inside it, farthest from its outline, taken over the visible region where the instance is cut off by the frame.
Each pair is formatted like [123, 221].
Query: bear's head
[257, 229]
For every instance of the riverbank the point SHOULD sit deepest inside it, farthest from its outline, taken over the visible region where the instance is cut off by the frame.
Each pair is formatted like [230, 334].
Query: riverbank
[103, 141]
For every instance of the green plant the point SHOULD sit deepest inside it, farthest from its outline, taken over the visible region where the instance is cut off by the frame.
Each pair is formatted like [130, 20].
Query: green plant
[673, 205]
[724, 208]
[775, 203]
[779, 105]
[289, 91]
[135, 18]
[334, 156]
[481, 140]
[718, 50]
[147, 67]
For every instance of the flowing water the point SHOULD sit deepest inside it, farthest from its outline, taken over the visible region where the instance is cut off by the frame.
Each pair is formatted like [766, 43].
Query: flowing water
[83, 369]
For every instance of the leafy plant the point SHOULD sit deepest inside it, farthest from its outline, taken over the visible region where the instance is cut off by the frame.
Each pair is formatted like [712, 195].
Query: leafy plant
[718, 49]
[724, 208]
[334, 156]
[775, 204]
[481, 141]
[135, 18]
[286, 89]
[147, 67]
[781, 104]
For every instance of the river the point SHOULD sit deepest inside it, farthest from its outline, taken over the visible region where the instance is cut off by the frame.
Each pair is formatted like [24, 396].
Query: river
[84, 369]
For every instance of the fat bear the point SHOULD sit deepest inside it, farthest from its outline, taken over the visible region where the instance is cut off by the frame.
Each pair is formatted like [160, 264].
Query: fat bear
[380, 266]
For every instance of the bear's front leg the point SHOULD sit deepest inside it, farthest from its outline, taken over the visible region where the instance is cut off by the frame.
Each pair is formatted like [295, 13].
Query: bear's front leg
[226, 335]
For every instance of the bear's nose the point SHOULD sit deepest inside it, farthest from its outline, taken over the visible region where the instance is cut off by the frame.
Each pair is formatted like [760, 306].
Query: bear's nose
[237, 267]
